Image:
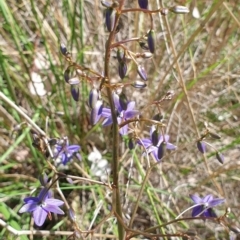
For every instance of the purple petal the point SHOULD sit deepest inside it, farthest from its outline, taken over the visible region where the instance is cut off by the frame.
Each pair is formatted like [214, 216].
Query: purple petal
[131, 114]
[96, 112]
[117, 103]
[29, 207]
[216, 202]
[197, 210]
[39, 216]
[170, 146]
[130, 106]
[53, 201]
[107, 122]
[145, 142]
[31, 199]
[106, 112]
[207, 198]
[53, 209]
[196, 199]
[209, 213]
[73, 148]
[124, 130]
[154, 151]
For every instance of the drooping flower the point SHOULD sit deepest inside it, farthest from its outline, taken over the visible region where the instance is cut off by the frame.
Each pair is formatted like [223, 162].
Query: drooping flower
[125, 110]
[156, 144]
[66, 152]
[41, 206]
[204, 205]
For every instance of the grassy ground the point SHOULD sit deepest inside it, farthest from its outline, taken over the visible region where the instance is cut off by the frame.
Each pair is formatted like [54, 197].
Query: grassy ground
[196, 57]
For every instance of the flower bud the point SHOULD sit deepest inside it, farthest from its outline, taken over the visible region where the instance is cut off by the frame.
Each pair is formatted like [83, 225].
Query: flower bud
[146, 55]
[161, 150]
[72, 215]
[130, 144]
[214, 135]
[74, 81]
[96, 112]
[139, 84]
[151, 40]
[123, 101]
[220, 157]
[142, 73]
[75, 92]
[143, 44]
[121, 55]
[63, 49]
[66, 75]
[93, 97]
[179, 9]
[201, 146]
[110, 18]
[143, 4]
[122, 70]
[106, 4]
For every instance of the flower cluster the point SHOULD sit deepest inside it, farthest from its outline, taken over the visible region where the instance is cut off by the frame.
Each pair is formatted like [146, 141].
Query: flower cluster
[156, 144]
[65, 152]
[125, 110]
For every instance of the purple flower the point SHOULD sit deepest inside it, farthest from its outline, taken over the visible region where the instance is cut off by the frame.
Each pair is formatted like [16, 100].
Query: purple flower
[125, 110]
[204, 205]
[41, 206]
[156, 144]
[66, 152]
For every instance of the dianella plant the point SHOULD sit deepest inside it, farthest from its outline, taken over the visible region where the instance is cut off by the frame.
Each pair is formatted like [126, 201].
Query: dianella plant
[127, 162]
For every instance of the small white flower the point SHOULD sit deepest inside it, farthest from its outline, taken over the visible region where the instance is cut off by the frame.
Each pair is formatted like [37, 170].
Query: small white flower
[99, 167]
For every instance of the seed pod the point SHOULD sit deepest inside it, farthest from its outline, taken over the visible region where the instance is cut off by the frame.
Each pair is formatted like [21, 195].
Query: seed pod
[130, 144]
[143, 4]
[66, 75]
[110, 18]
[122, 70]
[75, 92]
[142, 73]
[72, 215]
[93, 97]
[214, 135]
[63, 49]
[161, 150]
[143, 44]
[220, 157]
[123, 101]
[151, 40]
[139, 84]
[154, 137]
[179, 9]
[158, 117]
[201, 146]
